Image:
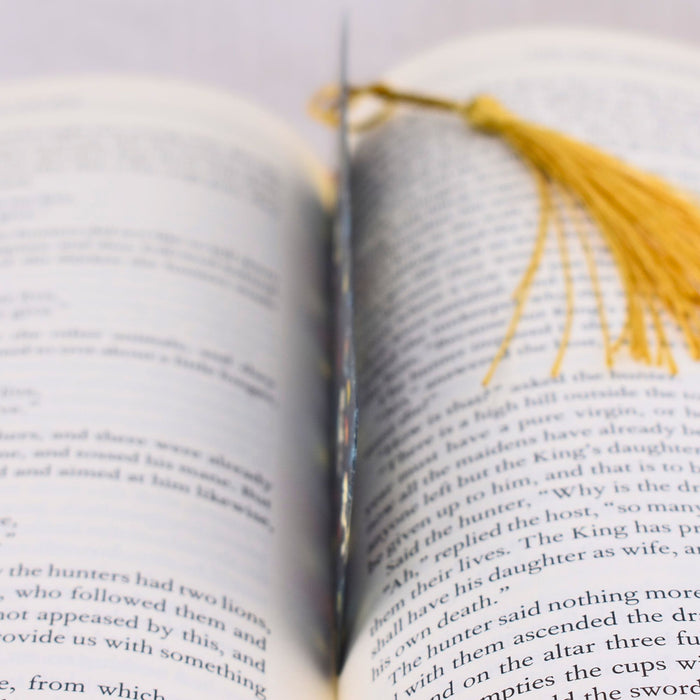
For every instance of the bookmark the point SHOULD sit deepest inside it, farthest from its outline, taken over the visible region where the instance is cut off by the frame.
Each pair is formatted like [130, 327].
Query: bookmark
[345, 389]
[651, 228]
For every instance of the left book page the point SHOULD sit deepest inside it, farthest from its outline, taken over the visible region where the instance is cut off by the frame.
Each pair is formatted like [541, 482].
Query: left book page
[163, 417]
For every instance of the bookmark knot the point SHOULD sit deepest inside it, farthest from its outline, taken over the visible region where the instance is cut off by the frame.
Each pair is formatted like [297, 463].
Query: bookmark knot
[486, 114]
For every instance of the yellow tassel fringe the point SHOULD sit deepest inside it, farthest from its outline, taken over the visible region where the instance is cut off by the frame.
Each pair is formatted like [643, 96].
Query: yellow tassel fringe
[651, 229]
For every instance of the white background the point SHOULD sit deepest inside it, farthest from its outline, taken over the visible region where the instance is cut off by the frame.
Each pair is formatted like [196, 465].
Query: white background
[278, 51]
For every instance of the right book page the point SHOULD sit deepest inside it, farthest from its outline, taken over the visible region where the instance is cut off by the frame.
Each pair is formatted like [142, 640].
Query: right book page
[540, 536]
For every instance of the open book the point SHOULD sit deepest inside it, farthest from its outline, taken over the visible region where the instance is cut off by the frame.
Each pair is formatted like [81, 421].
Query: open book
[165, 459]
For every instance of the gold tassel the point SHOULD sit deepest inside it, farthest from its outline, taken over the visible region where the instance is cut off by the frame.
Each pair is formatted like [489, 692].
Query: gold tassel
[651, 229]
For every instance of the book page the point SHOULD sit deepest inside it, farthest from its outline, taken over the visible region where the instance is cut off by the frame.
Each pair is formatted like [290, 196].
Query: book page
[163, 398]
[540, 537]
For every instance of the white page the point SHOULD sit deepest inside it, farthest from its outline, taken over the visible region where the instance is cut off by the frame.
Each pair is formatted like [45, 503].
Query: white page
[163, 401]
[490, 520]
